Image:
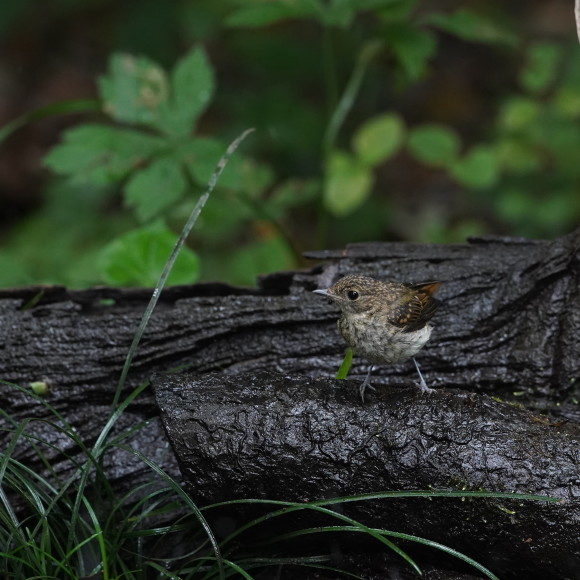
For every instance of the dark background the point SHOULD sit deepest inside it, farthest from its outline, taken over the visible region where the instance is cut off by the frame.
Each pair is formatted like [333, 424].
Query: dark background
[514, 91]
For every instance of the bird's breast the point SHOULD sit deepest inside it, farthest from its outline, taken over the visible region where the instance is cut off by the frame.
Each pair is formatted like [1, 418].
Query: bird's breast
[380, 342]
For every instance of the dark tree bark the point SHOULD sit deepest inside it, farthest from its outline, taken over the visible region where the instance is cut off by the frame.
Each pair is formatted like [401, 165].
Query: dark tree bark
[508, 326]
[297, 439]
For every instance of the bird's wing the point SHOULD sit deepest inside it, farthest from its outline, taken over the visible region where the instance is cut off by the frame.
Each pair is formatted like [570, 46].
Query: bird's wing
[415, 308]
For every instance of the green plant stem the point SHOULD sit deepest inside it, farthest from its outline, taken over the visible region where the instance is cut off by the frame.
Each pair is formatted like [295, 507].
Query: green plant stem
[329, 67]
[366, 55]
[171, 260]
[61, 108]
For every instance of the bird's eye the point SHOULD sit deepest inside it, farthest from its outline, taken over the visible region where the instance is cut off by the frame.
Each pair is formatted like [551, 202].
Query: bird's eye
[352, 295]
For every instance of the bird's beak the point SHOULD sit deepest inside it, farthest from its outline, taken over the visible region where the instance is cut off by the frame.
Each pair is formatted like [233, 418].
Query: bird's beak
[322, 292]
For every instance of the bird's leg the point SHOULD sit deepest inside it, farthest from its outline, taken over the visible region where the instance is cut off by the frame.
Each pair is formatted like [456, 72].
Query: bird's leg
[422, 384]
[366, 384]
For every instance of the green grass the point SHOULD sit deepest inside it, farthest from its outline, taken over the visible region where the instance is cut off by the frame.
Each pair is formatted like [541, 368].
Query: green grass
[54, 527]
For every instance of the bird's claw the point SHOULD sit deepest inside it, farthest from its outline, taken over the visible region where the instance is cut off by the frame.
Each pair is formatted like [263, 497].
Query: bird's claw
[363, 387]
[422, 384]
[424, 388]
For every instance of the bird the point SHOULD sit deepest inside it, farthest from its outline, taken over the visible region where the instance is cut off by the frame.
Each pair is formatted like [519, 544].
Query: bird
[384, 322]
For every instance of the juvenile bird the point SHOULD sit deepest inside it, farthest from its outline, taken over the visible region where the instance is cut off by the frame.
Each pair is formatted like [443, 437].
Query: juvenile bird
[384, 322]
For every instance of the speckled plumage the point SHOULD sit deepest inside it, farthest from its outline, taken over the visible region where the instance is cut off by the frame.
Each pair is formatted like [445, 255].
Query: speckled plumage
[384, 322]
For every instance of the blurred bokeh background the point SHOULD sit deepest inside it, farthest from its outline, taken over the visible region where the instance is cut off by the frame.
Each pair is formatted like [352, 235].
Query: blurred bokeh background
[375, 120]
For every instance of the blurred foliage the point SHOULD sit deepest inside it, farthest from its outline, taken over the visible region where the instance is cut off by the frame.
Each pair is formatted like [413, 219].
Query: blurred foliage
[326, 83]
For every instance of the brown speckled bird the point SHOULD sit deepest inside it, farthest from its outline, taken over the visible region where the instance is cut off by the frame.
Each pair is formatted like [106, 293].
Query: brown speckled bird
[384, 322]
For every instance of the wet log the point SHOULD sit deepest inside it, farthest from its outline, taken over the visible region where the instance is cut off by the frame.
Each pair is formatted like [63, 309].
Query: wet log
[289, 438]
[509, 323]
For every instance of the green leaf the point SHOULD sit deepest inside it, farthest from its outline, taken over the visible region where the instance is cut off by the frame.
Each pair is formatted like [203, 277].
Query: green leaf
[567, 102]
[268, 255]
[541, 66]
[514, 205]
[255, 178]
[478, 169]
[434, 144]
[264, 13]
[339, 13]
[192, 88]
[101, 155]
[342, 372]
[137, 258]
[154, 188]
[397, 10]
[379, 138]
[412, 46]
[517, 155]
[518, 114]
[348, 184]
[474, 27]
[292, 193]
[200, 157]
[224, 219]
[135, 90]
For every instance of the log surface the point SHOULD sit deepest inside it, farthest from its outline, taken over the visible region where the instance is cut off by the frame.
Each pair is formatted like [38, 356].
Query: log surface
[298, 439]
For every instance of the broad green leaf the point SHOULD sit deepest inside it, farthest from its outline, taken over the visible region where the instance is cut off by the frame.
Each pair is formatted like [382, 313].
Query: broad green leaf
[137, 258]
[101, 155]
[474, 27]
[155, 187]
[135, 90]
[379, 138]
[412, 46]
[541, 67]
[348, 184]
[434, 144]
[269, 12]
[478, 169]
[200, 157]
[518, 113]
[192, 88]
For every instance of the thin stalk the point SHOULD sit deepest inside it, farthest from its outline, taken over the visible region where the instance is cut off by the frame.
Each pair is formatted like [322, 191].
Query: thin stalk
[366, 55]
[169, 264]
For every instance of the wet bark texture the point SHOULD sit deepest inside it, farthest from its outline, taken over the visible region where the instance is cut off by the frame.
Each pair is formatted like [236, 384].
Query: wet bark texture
[287, 438]
[508, 326]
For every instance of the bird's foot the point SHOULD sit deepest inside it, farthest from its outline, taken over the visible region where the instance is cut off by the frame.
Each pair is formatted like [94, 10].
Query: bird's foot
[422, 384]
[366, 384]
